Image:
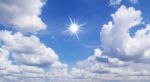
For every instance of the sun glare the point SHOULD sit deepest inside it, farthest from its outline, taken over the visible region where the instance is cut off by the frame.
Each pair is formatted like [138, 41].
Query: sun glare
[74, 28]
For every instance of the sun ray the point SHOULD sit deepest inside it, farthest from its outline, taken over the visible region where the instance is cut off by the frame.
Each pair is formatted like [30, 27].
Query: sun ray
[71, 21]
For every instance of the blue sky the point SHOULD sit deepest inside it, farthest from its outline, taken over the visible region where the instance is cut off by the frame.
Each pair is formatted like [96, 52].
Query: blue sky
[94, 13]
[113, 42]
[56, 15]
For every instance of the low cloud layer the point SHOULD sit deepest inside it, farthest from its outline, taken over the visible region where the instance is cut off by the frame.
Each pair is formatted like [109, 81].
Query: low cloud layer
[104, 68]
[23, 15]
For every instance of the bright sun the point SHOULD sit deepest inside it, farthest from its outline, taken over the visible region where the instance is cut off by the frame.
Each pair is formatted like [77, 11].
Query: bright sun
[74, 28]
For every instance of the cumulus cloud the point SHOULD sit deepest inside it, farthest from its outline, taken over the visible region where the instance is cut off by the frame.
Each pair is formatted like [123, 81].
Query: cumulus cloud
[121, 54]
[27, 50]
[25, 58]
[24, 15]
[116, 39]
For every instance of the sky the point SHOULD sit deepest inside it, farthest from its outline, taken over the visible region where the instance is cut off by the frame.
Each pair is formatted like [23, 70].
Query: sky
[57, 14]
[74, 40]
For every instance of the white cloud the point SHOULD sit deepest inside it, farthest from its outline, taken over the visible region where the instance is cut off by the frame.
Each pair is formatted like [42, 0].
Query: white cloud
[116, 39]
[25, 58]
[24, 15]
[105, 68]
[27, 50]
[4, 54]
[20, 73]
[118, 2]
[124, 58]
[147, 54]
[134, 1]
[115, 2]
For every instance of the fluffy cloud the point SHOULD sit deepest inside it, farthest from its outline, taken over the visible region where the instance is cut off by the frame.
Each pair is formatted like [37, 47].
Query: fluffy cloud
[25, 58]
[116, 39]
[24, 15]
[104, 68]
[27, 50]
[121, 54]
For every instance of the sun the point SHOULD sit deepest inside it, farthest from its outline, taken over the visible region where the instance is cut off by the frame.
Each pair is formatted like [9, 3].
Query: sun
[74, 28]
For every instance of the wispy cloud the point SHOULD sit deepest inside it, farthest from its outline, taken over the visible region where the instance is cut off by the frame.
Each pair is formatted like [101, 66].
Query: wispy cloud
[119, 2]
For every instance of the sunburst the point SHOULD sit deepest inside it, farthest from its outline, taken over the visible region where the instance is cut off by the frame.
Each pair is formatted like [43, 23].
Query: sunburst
[74, 28]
